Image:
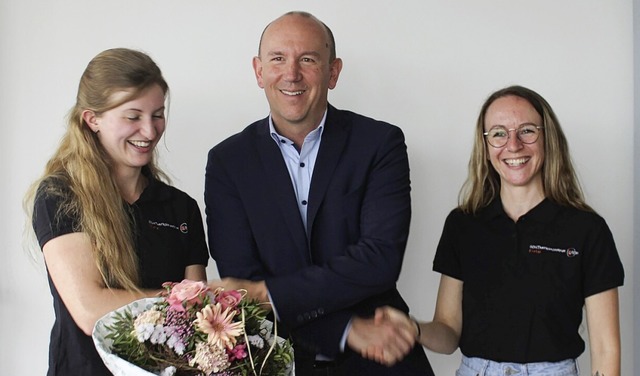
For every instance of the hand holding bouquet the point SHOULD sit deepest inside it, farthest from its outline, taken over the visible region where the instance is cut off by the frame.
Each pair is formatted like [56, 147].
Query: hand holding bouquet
[190, 330]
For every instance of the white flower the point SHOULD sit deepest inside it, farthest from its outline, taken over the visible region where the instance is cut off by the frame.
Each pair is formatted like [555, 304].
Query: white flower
[149, 317]
[174, 342]
[169, 371]
[179, 348]
[158, 335]
[256, 340]
[144, 331]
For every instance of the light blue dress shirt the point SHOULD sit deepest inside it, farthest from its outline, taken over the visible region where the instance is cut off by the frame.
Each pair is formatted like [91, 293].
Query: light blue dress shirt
[300, 164]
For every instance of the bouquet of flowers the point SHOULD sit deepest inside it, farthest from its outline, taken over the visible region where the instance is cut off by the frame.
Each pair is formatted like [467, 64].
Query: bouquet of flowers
[191, 330]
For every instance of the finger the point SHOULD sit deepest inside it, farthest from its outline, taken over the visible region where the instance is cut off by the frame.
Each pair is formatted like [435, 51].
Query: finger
[381, 315]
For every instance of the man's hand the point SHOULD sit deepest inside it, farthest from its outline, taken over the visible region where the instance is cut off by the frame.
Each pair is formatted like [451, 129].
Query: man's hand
[386, 338]
[255, 289]
[397, 318]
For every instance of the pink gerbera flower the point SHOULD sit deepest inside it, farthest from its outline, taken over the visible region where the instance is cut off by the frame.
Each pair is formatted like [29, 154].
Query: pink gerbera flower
[219, 325]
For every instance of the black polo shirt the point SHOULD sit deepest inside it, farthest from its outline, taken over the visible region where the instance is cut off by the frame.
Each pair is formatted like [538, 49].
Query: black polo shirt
[169, 237]
[525, 282]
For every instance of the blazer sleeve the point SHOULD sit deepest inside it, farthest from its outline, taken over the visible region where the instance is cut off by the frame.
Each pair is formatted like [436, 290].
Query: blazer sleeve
[231, 241]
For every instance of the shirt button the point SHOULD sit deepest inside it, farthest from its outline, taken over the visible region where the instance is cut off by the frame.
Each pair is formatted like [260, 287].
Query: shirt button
[304, 202]
[301, 164]
[283, 141]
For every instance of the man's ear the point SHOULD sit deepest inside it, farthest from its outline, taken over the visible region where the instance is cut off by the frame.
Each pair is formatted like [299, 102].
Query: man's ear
[91, 119]
[257, 69]
[335, 69]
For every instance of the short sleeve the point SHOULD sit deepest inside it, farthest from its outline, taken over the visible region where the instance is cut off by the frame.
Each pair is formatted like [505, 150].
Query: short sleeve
[603, 269]
[198, 251]
[447, 258]
[48, 221]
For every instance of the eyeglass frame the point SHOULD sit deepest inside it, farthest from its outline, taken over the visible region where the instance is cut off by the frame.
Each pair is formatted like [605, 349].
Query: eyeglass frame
[485, 134]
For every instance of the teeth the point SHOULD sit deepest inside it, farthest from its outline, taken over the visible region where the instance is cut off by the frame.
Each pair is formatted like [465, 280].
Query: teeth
[141, 144]
[516, 162]
[286, 92]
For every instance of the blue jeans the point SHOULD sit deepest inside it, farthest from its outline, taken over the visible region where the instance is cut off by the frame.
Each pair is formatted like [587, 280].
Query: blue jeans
[484, 367]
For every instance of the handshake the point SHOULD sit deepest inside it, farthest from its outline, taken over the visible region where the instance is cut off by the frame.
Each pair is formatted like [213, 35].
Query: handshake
[386, 338]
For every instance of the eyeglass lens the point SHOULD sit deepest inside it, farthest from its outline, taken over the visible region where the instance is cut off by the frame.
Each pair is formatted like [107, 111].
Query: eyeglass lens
[498, 136]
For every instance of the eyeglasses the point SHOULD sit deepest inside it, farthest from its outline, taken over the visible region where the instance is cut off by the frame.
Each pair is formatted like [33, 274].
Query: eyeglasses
[499, 136]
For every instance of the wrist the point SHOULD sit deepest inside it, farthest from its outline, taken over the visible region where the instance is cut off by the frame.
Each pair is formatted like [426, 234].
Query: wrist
[418, 330]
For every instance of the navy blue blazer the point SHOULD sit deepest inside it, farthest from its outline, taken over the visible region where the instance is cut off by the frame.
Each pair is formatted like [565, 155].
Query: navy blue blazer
[349, 258]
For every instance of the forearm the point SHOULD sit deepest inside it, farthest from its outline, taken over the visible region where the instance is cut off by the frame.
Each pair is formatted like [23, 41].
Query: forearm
[605, 361]
[604, 332]
[438, 337]
[88, 310]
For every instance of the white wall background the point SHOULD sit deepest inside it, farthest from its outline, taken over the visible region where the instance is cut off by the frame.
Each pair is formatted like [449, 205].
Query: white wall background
[425, 65]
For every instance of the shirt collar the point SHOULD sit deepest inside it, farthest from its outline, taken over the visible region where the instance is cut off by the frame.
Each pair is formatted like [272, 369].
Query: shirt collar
[544, 212]
[314, 134]
[155, 189]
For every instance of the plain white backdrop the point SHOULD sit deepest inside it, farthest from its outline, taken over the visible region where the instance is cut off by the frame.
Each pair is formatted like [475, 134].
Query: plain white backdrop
[424, 65]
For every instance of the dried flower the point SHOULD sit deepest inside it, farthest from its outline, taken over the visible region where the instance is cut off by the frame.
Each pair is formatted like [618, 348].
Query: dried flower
[186, 294]
[190, 332]
[210, 359]
[238, 352]
[219, 325]
[228, 299]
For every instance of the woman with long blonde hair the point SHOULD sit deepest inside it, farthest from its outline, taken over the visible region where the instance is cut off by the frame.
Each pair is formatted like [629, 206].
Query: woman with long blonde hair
[110, 227]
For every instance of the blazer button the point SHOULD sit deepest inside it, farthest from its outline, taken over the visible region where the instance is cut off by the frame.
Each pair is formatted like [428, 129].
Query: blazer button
[314, 314]
[307, 316]
[300, 318]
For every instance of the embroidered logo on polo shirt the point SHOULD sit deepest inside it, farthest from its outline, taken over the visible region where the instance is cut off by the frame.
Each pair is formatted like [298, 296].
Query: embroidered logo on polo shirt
[183, 228]
[539, 249]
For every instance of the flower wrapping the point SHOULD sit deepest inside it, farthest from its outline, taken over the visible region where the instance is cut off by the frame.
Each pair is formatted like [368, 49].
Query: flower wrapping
[190, 330]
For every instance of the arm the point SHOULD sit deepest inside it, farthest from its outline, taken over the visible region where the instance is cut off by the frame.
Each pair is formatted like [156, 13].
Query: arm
[72, 269]
[442, 335]
[195, 273]
[386, 338]
[604, 332]
[197, 246]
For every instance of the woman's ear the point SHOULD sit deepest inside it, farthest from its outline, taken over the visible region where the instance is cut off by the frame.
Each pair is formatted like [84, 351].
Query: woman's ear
[91, 119]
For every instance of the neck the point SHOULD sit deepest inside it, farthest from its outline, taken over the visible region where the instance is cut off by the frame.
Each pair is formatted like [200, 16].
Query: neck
[297, 131]
[131, 184]
[517, 201]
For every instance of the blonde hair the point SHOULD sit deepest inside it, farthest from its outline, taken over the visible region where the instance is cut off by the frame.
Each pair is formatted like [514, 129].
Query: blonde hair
[83, 166]
[560, 182]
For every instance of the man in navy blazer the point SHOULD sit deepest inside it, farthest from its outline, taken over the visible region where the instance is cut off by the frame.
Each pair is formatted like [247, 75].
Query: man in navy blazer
[310, 208]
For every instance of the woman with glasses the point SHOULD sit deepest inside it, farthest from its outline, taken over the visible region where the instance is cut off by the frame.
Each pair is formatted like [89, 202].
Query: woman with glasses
[522, 254]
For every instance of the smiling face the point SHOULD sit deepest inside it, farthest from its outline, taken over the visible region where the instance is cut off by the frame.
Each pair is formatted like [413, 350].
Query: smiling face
[295, 71]
[518, 164]
[130, 132]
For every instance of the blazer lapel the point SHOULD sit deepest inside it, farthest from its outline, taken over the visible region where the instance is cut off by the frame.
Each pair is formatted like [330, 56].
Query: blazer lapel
[279, 185]
[334, 139]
